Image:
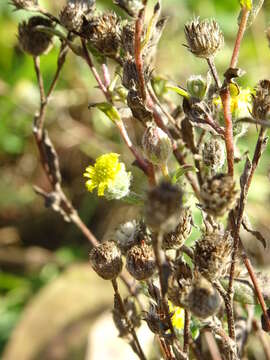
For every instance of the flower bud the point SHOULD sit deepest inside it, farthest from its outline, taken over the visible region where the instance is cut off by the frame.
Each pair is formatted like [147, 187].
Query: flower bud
[25, 4]
[212, 253]
[214, 153]
[203, 299]
[176, 238]
[204, 38]
[219, 194]
[197, 86]
[141, 262]
[261, 101]
[157, 146]
[106, 260]
[32, 41]
[163, 207]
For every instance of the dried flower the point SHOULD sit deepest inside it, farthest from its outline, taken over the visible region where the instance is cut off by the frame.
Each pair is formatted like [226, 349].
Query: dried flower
[106, 260]
[25, 4]
[32, 41]
[197, 86]
[176, 238]
[203, 299]
[109, 176]
[156, 321]
[73, 15]
[204, 38]
[141, 262]
[163, 207]
[212, 253]
[104, 33]
[157, 145]
[214, 153]
[261, 101]
[219, 194]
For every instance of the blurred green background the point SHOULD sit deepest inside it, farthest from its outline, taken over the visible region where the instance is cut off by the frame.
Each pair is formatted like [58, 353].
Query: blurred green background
[35, 244]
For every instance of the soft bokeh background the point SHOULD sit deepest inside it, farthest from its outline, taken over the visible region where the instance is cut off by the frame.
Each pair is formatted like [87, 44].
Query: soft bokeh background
[49, 296]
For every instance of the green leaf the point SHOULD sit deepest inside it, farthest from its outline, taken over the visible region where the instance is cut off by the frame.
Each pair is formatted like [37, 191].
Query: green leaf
[178, 90]
[182, 171]
[108, 109]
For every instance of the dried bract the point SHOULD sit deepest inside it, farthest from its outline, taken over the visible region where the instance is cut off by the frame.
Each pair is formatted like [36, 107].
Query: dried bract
[214, 153]
[261, 101]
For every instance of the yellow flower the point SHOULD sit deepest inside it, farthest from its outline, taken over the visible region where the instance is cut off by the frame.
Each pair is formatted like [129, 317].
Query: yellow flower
[178, 317]
[109, 176]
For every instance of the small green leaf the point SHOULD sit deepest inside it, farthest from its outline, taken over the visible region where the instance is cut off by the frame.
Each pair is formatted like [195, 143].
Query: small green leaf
[178, 90]
[182, 171]
[108, 110]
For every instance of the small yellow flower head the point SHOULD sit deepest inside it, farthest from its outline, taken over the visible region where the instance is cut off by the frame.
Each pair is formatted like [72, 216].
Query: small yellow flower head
[109, 176]
[178, 317]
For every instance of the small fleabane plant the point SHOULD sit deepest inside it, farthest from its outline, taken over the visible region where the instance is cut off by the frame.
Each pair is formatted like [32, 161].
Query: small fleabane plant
[186, 150]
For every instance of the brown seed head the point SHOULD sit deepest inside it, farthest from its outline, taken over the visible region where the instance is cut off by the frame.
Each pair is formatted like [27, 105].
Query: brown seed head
[261, 101]
[141, 262]
[33, 41]
[219, 194]
[214, 153]
[73, 15]
[204, 38]
[106, 260]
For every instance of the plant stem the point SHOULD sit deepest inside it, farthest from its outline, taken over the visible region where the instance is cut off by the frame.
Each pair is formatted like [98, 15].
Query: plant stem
[186, 331]
[214, 72]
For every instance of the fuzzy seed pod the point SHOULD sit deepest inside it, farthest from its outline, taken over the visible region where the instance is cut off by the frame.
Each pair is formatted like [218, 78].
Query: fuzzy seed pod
[35, 42]
[163, 207]
[261, 101]
[157, 145]
[72, 16]
[120, 319]
[106, 260]
[197, 86]
[204, 38]
[176, 238]
[214, 154]
[156, 320]
[219, 194]
[179, 284]
[25, 4]
[203, 299]
[104, 33]
[141, 262]
[212, 254]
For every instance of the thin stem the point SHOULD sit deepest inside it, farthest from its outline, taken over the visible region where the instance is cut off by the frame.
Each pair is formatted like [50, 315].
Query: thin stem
[106, 75]
[214, 72]
[226, 102]
[212, 346]
[186, 331]
[131, 328]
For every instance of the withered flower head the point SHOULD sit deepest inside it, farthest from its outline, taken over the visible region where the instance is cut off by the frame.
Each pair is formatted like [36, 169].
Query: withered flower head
[203, 299]
[25, 4]
[204, 38]
[104, 33]
[212, 253]
[141, 262]
[156, 144]
[176, 238]
[163, 207]
[219, 194]
[261, 101]
[33, 41]
[72, 16]
[106, 260]
[214, 153]
[156, 320]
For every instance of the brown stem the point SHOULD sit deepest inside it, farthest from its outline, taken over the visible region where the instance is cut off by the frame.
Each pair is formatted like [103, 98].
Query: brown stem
[226, 102]
[186, 331]
[214, 72]
[212, 346]
[140, 352]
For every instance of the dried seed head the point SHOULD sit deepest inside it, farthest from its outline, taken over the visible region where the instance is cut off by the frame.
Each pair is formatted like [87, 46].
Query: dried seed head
[214, 153]
[132, 7]
[25, 4]
[106, 260]
[197, 86]
[137, 107]
[156, 320]
[163, 207]
[157, 145]
[204, 38]
[203, 299]
[212, 253]
[261, 101]
[33, 41]
[72, 16]
[176, 238]
[104, 33]
[127, 38]
[141, 262]
[219, 194]
[130, 74]
[120, 319]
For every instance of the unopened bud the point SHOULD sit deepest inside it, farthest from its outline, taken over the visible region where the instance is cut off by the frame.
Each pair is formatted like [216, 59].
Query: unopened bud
[197, 86]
